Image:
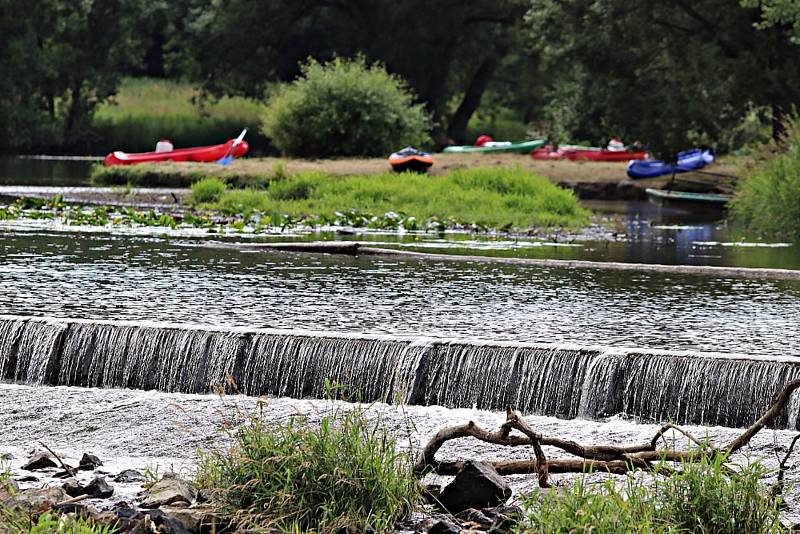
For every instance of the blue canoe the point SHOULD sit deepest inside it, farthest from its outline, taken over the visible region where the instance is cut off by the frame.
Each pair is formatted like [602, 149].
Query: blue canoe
[690, 160]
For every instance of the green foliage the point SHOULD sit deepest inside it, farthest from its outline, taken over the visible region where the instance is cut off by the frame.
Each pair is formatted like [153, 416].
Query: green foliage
[17, 522]
[486, 198]
[701, 498]
[767, 203]
[343, 475]
[145, 110]
[174, 175]
[207, 190]
[343, 108]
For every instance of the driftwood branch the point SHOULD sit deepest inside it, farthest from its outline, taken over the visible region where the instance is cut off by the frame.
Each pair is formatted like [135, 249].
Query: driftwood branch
[597, 458]
[71, 471]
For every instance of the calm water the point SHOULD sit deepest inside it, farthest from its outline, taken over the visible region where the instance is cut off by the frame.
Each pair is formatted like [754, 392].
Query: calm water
[15, 170]
[103, 276]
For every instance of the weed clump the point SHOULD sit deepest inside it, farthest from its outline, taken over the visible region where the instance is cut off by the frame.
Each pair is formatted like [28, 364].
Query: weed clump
[703, 497]
[207, 190]
[344, 474]
[768, 202]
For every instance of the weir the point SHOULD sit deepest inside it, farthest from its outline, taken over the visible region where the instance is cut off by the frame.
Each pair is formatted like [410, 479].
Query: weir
[558, 380]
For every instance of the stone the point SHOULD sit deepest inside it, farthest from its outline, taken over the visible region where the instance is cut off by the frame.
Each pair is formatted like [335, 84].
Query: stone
[89, 462]
[98, 488]
[477, 485]
[199, 518]
[36, 500]
[27, 478]
[40, 460]
[168, 490]
[165, 523]
[128, 476]
[475, 516]
[73, 488]
[444, 527]
[8, 489]
[66, 474]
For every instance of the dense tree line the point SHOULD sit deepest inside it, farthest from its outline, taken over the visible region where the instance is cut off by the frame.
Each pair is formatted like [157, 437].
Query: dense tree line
[665, 73]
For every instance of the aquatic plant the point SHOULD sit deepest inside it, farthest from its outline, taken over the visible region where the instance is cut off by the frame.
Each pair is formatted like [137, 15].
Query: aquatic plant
[207, 190]
[343, 474]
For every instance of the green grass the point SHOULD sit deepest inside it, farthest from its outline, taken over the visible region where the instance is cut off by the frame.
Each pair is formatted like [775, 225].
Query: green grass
[207, 190]
[702, 498]
[767, 203]
[343, 475]
[147, 109]
[18, 522]
[176, 175]
[490, 198]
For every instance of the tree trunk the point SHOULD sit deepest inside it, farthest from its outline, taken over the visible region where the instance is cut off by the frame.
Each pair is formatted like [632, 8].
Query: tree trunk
[457, 129]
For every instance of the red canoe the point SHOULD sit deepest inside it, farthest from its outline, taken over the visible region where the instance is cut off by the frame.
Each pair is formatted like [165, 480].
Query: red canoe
[587, 154]
[200, 153]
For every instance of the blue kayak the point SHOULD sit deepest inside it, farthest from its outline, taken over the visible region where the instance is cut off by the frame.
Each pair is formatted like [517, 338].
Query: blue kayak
[689, 160]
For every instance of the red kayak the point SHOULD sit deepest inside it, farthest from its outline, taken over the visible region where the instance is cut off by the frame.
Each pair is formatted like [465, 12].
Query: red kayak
[587, 154]
[200, 153]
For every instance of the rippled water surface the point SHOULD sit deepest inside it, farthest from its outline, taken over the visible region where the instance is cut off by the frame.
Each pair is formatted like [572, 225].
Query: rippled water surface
[102, 276]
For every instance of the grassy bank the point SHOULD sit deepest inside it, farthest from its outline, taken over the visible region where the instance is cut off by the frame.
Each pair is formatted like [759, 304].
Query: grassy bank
[147, 109]
[484, 198]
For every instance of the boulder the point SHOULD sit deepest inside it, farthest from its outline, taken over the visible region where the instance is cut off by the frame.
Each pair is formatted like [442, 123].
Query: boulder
[196, 519]
[169, 490]
[40, 460]
[129, 475]
[89, 462]
[73, 487]
[8, 489]
[98, 488]
[477, 485]
[36, 500]
[167, 524]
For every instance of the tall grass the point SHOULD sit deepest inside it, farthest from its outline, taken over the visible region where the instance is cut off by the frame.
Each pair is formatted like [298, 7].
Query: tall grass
[146, 110]
[701, 498]
[344, 475]
[18, 522]
[496, 198]
[767, 203]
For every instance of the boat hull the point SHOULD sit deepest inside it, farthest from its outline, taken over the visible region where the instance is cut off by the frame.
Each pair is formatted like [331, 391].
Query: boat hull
[413, 163]
[581, 153]
[664, 197]
[688, 161]
[199, 154]
[524, 147]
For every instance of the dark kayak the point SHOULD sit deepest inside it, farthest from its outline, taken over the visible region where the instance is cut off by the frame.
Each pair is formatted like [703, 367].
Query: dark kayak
[690, 160]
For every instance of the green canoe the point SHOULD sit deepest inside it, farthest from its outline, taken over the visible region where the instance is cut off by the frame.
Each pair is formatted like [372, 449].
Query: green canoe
[522, 147]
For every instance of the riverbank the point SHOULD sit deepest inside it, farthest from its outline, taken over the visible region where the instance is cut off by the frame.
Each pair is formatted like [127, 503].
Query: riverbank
[590, 180]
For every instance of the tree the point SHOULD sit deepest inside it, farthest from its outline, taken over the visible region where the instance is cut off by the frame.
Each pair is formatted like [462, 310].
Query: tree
[448, 51]
[666, 73]
[60, 60]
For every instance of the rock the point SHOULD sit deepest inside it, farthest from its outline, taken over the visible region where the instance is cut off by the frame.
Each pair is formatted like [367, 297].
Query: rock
[504, 518]
[40, 460]
[475, 516]
[169, 490]
[444, 527]
[165, 523]
[98, 488]
[27, 478]
[66, 474]
[199, 518]
[129, 475]
[89, 462]
[36, 500]
[73, 487]
[477, 485]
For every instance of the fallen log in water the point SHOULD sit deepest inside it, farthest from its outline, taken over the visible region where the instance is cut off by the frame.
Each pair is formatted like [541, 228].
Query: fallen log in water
[590, 458]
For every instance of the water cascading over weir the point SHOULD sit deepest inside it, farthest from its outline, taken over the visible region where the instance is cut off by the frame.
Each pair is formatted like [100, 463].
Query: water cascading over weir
[557, 380]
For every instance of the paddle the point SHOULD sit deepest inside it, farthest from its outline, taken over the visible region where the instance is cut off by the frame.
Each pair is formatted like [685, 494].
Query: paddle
[227, 159]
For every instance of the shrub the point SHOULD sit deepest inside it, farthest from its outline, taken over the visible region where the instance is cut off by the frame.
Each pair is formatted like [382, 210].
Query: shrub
[343, 475]
[344, 108]
[700, 498]
[767, 203]
[207, 190]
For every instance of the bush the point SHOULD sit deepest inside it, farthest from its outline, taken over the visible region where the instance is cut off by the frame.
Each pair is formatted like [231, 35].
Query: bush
[344, 108]
[207, 190]
[767, 203]
[700, 498]
[343, 475]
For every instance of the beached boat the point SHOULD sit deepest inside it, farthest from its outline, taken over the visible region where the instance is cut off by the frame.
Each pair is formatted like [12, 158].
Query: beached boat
[410, 159]
[522, 147]
[690, 160]
[587, 153]
[666, 197]
[200, 153]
